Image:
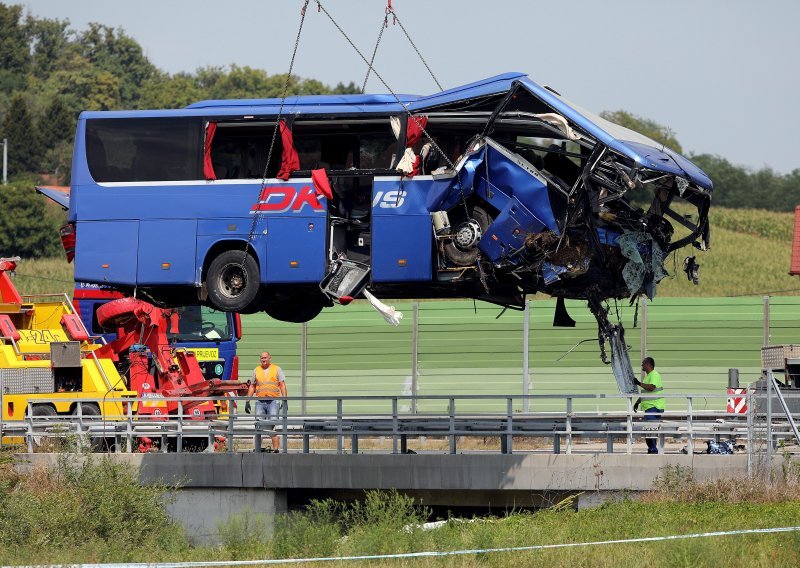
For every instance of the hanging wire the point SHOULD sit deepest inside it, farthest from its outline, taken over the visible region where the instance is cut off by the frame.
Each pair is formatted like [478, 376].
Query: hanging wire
[390, 10]
[256, 213]
[384, 25]
[321, 8]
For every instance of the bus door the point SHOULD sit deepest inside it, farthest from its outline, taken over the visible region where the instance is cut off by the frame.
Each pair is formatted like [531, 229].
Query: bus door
[401, 230]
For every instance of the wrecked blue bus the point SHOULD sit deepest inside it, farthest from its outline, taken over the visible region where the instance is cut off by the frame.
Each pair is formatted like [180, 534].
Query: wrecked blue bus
[492, 191]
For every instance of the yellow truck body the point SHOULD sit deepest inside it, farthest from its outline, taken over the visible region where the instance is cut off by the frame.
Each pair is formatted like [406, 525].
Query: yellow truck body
[43, 365]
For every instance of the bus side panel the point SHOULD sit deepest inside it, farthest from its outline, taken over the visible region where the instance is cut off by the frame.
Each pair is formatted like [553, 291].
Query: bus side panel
[401, 248]
[402, 233]
[295, 249]
[167, 251]
[103, 251]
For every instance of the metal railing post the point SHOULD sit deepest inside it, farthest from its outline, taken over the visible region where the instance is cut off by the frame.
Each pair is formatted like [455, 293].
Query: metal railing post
[452, 410]
[569, 425]
[690, 444]
[749, 400]
[180, 427]
[231, 426]
[339, 426]
[509, 445]
[629, 426]
[768, 378]
[394, 425]
[766, 322]
[526, 376]
[285, 426]
[304, 367]
[415, 359]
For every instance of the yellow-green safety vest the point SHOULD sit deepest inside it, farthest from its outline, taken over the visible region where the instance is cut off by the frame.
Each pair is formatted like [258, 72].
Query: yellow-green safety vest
[649, 401]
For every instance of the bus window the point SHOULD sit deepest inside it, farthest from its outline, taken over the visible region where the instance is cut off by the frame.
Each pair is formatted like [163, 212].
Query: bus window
[146, 149]
[239, 151]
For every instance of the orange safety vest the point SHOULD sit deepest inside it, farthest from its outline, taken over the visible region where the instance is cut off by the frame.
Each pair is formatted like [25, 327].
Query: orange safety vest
[267, 382]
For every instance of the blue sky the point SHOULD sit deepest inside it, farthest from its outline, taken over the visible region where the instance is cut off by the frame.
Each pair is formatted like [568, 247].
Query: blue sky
[722, 74]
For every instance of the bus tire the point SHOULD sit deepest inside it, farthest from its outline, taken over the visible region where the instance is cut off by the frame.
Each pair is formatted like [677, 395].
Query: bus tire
[466, 255]
[295, 309]
[232, 281]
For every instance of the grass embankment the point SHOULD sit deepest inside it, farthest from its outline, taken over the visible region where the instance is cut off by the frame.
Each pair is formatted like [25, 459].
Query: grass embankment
[750, 254]
[95, 511]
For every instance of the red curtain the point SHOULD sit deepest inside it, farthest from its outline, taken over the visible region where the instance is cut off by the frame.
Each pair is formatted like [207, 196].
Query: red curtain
[321, 183]
[289, 160]
[414, 126]
[208, 167]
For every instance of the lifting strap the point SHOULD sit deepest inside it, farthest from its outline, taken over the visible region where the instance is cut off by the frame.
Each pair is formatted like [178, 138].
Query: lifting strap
[384, 25]
[275, 131]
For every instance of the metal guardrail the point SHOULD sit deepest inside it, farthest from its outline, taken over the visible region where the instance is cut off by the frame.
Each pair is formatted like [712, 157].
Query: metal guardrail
[392, 418]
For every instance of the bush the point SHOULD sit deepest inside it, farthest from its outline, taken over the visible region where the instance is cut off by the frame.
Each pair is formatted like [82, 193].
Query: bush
[84, 507]
[27, 227]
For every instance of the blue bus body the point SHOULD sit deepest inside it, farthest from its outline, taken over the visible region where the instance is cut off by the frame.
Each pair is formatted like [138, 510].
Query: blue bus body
[519, 191]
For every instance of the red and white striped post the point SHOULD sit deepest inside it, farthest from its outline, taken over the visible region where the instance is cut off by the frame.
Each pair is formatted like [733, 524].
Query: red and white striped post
[736, 404]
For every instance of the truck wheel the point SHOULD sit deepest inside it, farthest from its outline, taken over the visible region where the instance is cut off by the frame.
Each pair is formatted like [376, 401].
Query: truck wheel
[462, 249]
[98, 443]
[40, 443]
[232, 281]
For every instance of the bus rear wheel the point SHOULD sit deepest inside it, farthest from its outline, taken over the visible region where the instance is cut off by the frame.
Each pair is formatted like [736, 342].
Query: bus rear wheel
[295, 308]
[232, 281]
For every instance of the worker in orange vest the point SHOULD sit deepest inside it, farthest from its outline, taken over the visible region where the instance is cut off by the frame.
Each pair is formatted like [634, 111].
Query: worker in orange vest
[269, 384]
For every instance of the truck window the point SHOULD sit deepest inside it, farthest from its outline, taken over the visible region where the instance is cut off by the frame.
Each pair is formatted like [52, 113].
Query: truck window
[199, 323]
[146, 149]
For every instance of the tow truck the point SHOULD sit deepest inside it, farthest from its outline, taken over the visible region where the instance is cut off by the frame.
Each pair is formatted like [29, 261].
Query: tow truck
[48, 361]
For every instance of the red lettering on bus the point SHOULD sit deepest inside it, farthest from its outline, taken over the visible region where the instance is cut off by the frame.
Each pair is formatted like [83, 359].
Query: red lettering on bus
[282, 198]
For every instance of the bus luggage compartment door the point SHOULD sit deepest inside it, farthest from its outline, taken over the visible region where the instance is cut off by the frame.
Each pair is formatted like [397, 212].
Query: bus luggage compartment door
[295, 249]
[103, 251]
[167, 251]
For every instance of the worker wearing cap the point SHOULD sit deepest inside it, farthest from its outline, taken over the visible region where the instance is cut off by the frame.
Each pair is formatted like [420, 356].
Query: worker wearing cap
[268, 384]
[652, 406]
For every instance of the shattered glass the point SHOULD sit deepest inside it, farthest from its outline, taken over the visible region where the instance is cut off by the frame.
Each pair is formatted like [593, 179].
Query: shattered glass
[633, 244]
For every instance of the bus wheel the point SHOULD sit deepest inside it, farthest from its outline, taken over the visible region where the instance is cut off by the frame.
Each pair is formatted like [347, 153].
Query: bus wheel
[462, 250]
[232, 281]
[295, 309]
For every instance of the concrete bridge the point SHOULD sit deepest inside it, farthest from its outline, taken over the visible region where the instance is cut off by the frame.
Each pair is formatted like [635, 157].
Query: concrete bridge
[215, 486]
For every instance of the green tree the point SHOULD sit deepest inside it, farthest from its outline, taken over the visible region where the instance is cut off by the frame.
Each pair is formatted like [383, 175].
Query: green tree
[120, 56]
[56, 125]
[15, 56]
[23, 141]
[26, 227]
[50, 38]
[645, 126]
[176, 91]
[56, 134]
[349, 89]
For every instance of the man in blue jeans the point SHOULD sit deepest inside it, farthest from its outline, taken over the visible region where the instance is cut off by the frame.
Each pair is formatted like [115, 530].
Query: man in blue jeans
[653, 406]
[269, 384]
